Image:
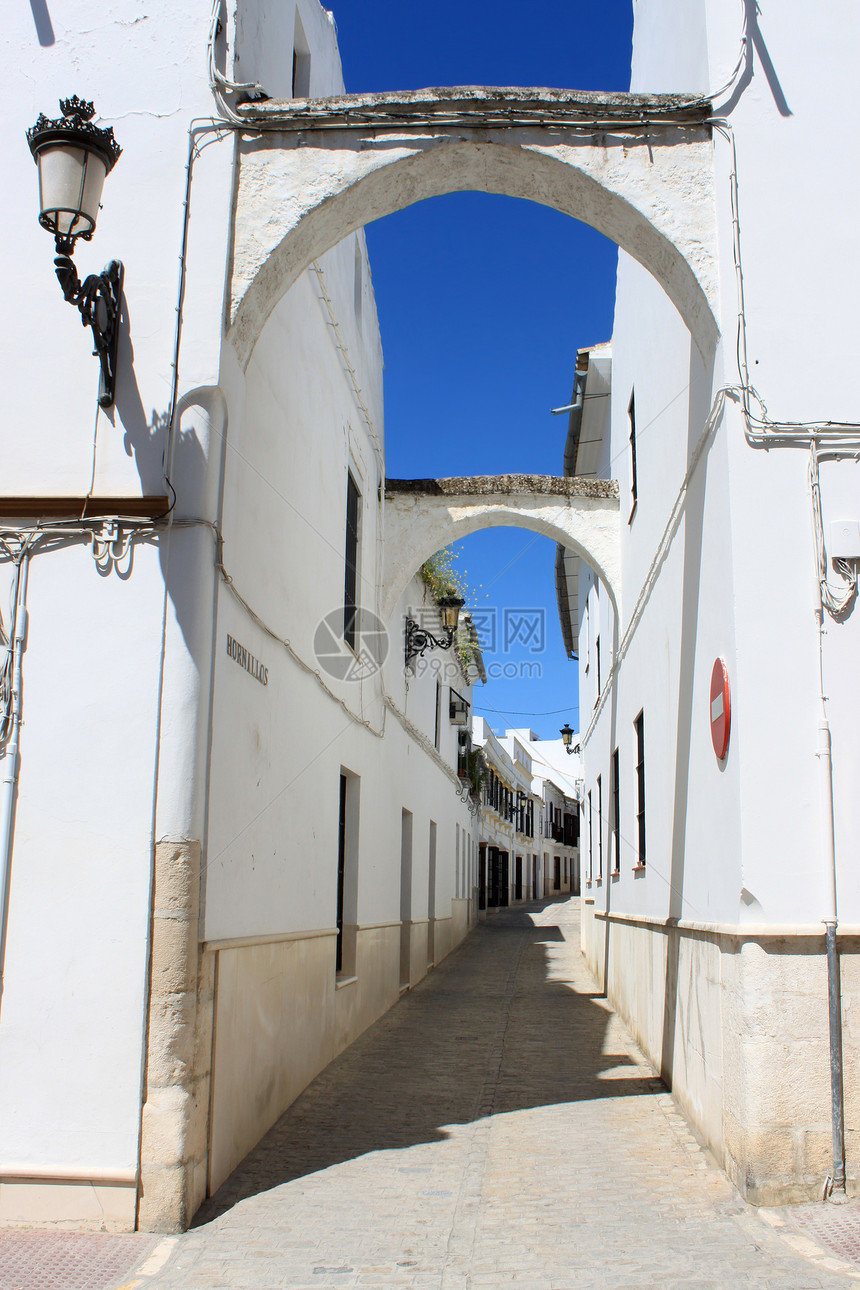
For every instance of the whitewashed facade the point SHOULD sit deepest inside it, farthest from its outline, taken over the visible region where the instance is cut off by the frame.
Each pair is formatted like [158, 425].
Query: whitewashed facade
[508, 860]
[710, 895]
[190, 746]
[556, 811]
[190, 743]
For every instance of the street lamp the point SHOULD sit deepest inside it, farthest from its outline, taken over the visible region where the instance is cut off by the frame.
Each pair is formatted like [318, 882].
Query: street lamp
[419, 639]
[74, 157]
[567, 739]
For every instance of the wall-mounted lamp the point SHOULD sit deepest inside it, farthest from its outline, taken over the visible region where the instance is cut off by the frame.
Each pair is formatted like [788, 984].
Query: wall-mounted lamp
[418, 639]
[73, 157]
[567, 739]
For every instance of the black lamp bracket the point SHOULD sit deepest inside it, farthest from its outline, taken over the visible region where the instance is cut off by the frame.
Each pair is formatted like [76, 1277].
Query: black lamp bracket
[98, 302]
[418, 640]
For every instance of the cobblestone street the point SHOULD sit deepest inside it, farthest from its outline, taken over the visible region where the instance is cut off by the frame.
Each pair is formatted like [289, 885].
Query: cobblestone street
[497, 1127]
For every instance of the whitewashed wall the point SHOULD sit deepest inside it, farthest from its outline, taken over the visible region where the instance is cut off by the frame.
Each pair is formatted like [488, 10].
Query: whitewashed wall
[140, 733]
[735, 846]
[73, 1011]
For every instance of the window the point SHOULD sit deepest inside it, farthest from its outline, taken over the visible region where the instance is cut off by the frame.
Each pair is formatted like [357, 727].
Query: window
[599, 829]
[437, 725]
[405, 896]
[350, 609]
[301, 62]
[341, 868]
[587, 631]
[347, 873]
[616, 815]
[597, 654]
[457, 862]
[634, 483]
[639, 725]
[590, 840]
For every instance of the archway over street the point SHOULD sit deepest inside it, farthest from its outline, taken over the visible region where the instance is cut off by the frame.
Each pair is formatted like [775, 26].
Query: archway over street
[638, 168]
[424, 515]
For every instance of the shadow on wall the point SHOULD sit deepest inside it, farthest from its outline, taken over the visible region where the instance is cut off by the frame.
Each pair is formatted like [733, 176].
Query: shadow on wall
[42, 19]
[146, 439]
[755, 43]
[491, 1031]
[701, 380]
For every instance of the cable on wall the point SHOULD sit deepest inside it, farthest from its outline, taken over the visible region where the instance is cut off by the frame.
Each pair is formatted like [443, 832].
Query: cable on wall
[837, 601]
[711, 423]
[342, 346]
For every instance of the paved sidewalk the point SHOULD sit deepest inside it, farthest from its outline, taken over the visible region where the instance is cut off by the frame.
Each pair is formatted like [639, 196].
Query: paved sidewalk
[497, 1127]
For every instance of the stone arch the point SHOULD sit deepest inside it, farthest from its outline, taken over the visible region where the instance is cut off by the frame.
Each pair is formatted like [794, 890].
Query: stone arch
[422, 516]
[647, 188]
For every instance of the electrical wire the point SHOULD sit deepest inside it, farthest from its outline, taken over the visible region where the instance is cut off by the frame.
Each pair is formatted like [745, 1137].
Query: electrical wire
[513, 712]
[760, 429]
[711, 422]
[218, 83]
[837, 602]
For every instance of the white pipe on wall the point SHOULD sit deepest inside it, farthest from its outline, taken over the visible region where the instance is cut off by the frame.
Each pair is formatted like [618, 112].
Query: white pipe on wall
[10, 761]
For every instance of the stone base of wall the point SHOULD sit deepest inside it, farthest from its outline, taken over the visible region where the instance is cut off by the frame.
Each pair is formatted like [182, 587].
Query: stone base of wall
[173, 1154]
[81, 1204]
[282, 1014]
[736, 1022]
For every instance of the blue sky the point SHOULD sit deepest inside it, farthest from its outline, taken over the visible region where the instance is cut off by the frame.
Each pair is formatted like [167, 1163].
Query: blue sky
[483, 302]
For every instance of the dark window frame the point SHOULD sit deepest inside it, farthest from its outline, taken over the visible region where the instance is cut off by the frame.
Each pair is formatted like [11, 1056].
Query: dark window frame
[350, 584]
[590, 839]
[616, 811]
[341, 871]
[599, 829]
[639, 727]
[634, 476]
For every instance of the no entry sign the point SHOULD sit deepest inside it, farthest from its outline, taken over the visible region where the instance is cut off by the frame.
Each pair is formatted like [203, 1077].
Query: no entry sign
[721, 708]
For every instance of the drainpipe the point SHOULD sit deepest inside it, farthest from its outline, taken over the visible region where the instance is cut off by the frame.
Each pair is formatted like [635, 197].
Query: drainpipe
[10, 761]
[835, 1183]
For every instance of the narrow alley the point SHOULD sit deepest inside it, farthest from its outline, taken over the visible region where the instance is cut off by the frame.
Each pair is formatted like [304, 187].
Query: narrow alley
[497, 1127]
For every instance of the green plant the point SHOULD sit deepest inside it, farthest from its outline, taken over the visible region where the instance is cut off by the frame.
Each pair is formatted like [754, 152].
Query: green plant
[439, 574]
[476, 770]
[442, 579]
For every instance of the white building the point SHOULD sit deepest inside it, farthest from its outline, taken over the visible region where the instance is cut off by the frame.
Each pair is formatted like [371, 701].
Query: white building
[508, 859]
[239, 830]
[555, 783]
[223, 797]
[704, 729]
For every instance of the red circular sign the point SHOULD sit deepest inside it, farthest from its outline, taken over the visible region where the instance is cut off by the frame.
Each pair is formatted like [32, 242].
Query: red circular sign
[721, 708]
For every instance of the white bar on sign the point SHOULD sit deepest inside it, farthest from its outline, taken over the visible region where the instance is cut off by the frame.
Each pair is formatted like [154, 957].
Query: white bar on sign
[717, 707]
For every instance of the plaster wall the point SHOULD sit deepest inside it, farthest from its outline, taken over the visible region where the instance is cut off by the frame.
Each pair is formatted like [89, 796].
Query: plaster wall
[130, 686]
[297, 425]
[75, 985]
[734, 1018]
[775, 113]
[76, 954]
[265, 35]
